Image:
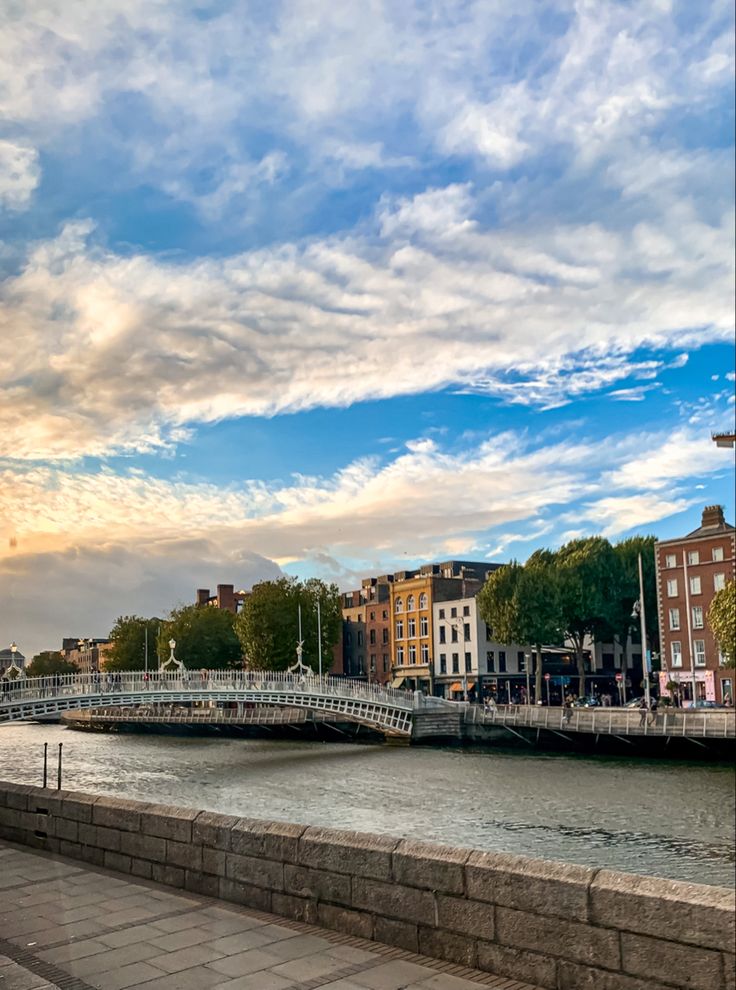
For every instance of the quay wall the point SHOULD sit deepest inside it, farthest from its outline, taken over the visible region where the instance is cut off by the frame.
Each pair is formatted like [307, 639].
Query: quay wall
[558, 926]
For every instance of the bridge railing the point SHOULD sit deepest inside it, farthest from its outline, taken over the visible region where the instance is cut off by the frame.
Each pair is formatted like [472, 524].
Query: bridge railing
[610, 721]
[29, 689]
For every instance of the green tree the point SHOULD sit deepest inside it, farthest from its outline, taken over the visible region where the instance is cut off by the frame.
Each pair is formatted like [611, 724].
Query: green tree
[128, 637]
[49, 662]
[722, 621]
[621, 620]
[268, 623]
[205, 638]
[587, 582]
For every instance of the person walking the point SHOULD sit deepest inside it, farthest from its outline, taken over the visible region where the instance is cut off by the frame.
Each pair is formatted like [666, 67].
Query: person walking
[567, 713]
[642, 712]
[653, 711]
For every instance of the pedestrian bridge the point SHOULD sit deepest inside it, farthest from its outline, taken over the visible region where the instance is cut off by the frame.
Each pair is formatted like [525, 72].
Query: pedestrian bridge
[388, 710]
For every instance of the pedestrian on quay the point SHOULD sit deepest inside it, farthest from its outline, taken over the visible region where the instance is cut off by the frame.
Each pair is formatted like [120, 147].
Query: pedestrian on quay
[653, 711]
[567, 713]
[643, 709]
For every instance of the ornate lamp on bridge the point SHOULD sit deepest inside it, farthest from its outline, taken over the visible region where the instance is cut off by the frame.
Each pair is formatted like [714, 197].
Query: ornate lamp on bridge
[13, 670]
[177, 664]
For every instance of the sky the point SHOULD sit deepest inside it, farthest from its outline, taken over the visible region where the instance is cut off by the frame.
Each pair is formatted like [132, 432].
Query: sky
[333, 289]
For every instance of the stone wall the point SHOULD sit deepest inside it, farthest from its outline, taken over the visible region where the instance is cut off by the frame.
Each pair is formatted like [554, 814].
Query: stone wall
[560, 926]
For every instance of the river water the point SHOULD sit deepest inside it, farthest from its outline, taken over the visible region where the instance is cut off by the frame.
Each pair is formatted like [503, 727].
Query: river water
[643, 816]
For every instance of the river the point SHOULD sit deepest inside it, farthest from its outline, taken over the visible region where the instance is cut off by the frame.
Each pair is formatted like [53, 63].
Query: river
[670, 819]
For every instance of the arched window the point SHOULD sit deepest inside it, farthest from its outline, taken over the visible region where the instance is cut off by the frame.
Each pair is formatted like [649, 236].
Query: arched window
[410, 603]
[422, 600]
[399, 607]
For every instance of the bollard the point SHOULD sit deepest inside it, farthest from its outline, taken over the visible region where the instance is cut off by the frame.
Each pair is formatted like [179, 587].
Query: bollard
[58, 775]
[45, 763]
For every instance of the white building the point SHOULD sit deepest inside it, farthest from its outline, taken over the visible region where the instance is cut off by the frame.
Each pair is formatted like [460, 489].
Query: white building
[463, 651]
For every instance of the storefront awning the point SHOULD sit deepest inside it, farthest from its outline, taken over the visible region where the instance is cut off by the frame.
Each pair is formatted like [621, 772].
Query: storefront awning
[397, 682]
[459, 686]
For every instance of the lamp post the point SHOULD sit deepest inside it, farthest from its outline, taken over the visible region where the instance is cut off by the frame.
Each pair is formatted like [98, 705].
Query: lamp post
[13, 663]
[639, 611]
[527, 664]
[319, 640]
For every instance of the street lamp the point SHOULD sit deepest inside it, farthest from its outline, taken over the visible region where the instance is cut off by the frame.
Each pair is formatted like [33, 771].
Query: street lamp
[13, 663]
[527, 664]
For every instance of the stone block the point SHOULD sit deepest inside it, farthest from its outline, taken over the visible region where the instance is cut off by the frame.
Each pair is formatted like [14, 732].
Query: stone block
[117, 813]
[92, 854]
[557, 889]
[455, 948]
[729, 970]
[391, 931]
[142, 846]
[201, 883]
[354, 853]
[244, 893]
[320, 885]
[296, 908]
[213, 861]
[273, 840]
[172, 876]
[76, 805]
[519, 964]
[116, 861]
[394, 900]
[473, 918]
[429, 865]
[683, 912]
[573, 976]
[555, 937]
[184, 854]
[213, 830]
[87, 835]
[17, 795]
[105, 838]
[63, 828]
[169, 822]
[71, 849]
[254, 871]
[141, 868]
[339, 919]
[669, 962]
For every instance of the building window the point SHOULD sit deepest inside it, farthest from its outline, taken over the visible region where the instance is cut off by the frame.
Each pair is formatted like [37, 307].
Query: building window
[699, 652]
[466, 609]
[423, 600]
[717, 553]
[385, 663]
[410, 603]
[384, 614]
[502, 661]
[466, 632]
[441, 613]
[412, 654]
[490, 664]
[442, 635]
[399, 605]
[453, 613]
[385, 636]
[400, 655]
[697, 616]
[676, 647]
[521, 661]
[373, 663]
[424, 652]
[672, 588]
[443, 663]
[468, 663]
[360, 638]
[719, 582]
[360, 666]
[674, 619]
[727, 689]
[373, 616]
[400, 629]
[693, 557]
[412, 628]
[348, 639]
[424, 626]
[694, 585]
[670, 560]
[453, 634]
[456, 663]
[372, 637]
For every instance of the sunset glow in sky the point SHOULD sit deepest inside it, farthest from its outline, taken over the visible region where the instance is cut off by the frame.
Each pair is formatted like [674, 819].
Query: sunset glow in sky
[335, 288]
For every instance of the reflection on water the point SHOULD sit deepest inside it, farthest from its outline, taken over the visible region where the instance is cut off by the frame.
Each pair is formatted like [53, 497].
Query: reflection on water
[666, 819]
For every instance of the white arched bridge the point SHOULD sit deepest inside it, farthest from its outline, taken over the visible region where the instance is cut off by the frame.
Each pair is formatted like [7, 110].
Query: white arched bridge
[386, 709]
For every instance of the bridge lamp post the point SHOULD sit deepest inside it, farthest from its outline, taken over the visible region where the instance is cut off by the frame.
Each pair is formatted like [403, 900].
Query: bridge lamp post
[527, 664]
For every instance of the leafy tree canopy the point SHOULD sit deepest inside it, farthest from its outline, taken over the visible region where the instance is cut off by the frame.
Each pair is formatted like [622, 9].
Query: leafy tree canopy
[49, 662]
[626, 590]
[205, 638]
[722, 621]
[268, 623]
[128, 637]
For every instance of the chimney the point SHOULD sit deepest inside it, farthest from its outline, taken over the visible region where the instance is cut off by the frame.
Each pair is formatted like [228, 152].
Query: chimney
[713, 517]
[226, 597]
[203, 596]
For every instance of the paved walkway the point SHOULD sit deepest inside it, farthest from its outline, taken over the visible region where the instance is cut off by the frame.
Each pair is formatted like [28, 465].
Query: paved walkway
[65, 925]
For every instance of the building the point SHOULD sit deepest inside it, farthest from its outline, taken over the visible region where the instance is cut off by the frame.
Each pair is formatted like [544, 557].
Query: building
[366, 630]
[690, 570]
[90, 656]
[226, 598]
[353, 634]
[413, 596]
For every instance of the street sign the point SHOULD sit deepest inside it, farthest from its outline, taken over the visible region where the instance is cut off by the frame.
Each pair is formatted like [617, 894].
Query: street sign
[547, 677]
[619, 677]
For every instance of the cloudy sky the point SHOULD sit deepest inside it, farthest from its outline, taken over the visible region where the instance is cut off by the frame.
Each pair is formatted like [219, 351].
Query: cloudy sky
[334, 288]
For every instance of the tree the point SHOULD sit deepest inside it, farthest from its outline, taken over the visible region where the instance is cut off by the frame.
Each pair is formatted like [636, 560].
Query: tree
[722, 621]
[205, 638]
[586, 571]
[621, 619]
[268, 623]
[128, 637]
[49, 662]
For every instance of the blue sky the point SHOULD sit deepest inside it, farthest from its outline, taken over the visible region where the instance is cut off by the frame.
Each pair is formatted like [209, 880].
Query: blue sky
[326, 290]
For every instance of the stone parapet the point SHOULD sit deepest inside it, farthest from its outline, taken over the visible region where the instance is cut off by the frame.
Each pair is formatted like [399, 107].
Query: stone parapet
[556, 925]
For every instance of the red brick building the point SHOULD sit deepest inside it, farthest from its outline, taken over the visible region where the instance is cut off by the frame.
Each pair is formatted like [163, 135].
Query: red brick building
[366, 630]
[690, 570]
[227, 598]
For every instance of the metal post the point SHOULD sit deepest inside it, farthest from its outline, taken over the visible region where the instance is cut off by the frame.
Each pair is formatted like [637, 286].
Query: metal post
[527, 661]
[689, 627]
[319, 639]
[145, 648]
[643, 628]
[548, 696]
[45, 763]
[58, 773]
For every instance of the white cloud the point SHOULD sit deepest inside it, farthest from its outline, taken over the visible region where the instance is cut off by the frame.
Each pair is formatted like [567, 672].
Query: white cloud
[20, 174]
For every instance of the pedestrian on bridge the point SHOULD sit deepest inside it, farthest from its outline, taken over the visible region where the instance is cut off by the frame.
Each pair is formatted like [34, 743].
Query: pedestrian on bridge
[653, 711]
[643, 709]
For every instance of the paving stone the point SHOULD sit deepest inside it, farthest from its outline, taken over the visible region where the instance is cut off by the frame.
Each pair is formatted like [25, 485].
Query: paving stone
[127, 976]
[199, 978]
[15, 977]
[309, 967]
[258, 981]
[72, 950]
[253, 939]
[127, 936]
[394, 975]
[242, 963]
[195, 955]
